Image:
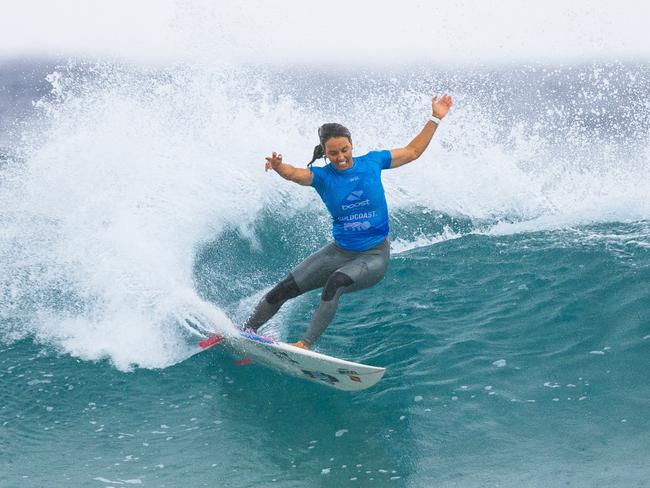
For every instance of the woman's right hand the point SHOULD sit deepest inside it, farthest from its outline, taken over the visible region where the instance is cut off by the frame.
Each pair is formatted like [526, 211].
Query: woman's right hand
[273, 162]
[302, 176]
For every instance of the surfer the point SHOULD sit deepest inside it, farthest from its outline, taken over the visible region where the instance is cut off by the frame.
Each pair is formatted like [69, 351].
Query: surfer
[351, 189]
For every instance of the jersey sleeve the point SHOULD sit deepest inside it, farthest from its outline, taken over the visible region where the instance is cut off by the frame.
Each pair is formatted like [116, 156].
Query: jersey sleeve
[318, 177]
[382, 158]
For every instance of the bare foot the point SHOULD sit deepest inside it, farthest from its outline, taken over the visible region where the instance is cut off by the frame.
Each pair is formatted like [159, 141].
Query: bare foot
[301, 345]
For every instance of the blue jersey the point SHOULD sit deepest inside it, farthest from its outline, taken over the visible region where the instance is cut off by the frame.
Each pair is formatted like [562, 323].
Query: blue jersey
[355, 199]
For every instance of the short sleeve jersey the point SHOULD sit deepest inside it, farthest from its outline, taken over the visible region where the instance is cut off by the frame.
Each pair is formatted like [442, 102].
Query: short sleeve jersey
[356, 201]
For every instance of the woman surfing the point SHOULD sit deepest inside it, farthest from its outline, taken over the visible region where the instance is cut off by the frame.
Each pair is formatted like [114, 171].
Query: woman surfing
[351, 189]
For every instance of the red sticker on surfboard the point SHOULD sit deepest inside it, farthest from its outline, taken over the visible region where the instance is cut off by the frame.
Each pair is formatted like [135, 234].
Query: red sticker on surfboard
[211, 341]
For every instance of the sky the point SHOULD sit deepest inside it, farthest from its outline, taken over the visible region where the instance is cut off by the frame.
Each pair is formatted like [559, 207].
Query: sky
[334, 32]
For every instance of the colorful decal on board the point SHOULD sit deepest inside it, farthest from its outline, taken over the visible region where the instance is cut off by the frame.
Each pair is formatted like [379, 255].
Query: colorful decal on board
[324, 377]
[257, 338]
[284, 356]
[347, 371]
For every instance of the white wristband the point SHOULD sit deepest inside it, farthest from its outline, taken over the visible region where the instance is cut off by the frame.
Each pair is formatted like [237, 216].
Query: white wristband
[435, 120]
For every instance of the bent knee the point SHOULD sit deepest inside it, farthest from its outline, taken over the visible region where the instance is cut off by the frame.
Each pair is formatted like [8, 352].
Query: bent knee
[283, 291]
[335, 282]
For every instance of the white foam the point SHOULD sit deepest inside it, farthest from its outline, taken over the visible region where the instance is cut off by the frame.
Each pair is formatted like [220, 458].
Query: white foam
[102, 221]
[400, 245]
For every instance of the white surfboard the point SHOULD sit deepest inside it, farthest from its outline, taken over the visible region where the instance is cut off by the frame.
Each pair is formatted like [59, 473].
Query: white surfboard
[313, 366]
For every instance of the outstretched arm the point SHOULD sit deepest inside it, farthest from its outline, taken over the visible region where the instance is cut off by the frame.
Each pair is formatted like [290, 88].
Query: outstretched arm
[302, 176]
[439, 108]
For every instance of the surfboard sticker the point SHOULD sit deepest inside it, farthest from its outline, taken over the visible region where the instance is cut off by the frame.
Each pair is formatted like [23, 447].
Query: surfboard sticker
[211, 341]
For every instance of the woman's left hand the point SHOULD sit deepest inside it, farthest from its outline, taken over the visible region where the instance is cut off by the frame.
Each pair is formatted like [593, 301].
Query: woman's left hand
[440, 106]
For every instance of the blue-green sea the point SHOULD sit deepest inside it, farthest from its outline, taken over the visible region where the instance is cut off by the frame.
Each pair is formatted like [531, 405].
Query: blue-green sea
[514, 319]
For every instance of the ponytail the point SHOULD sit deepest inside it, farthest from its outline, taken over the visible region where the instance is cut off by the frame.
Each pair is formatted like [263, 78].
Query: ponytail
[319, 153]
[326, 132]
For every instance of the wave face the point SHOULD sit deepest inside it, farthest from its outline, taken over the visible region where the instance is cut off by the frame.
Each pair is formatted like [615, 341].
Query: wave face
[513, 320]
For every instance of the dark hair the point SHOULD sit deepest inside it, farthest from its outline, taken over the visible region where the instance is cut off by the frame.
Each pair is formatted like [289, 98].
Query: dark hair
[325, 133]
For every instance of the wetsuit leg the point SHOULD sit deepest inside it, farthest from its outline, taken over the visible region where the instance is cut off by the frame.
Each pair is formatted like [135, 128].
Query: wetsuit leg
[271, 303]
[366, 269]
[312, 273]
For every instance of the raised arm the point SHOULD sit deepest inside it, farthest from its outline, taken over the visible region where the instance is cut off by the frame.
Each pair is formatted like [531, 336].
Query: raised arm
[302, 176]
[414, 149]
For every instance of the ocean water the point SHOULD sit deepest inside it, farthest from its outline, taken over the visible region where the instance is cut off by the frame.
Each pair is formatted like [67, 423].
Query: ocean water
[514, 320]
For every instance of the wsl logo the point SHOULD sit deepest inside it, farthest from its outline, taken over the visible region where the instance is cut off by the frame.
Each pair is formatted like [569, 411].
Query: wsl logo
[354, 199]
